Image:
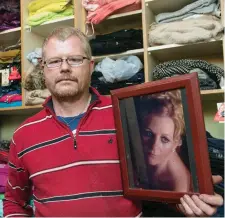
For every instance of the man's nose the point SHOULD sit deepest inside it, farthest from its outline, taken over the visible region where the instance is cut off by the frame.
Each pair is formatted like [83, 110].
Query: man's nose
[65, 66]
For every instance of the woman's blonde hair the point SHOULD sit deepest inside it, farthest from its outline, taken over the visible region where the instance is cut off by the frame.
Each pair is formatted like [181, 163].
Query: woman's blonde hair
[167, 103]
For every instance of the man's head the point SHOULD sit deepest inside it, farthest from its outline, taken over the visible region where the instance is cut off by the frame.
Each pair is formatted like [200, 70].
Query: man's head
[67, 63]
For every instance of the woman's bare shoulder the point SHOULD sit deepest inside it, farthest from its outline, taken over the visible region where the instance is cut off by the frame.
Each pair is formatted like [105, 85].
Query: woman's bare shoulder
[178, 168]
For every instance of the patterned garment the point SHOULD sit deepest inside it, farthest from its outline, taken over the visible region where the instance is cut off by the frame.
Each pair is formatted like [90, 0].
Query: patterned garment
[184, 66]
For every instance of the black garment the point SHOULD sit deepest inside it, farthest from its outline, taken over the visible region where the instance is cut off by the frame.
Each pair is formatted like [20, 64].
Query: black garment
[157, 209]
[216, 156]
[117, 42]
[104, 88]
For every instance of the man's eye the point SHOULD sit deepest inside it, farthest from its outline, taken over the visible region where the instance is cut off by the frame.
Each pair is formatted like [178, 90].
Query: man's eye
[54, 61]
[75, 60]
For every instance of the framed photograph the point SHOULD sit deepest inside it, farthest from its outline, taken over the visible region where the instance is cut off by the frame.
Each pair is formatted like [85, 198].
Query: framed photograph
[162, 139]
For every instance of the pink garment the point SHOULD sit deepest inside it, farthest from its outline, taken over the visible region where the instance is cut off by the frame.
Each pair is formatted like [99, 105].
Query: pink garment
[8, 98]
[98, 10]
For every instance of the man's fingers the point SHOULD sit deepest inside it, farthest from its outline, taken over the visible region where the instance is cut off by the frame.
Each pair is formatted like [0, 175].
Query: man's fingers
[181, 208]
[205, 208]
[197, 211]
[215, 200]
[188, 211]
[217, 179]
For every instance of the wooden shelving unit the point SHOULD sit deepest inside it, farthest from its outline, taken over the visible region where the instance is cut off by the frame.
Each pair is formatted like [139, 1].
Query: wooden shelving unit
[137, 52]
[45, 28]
[10, 37]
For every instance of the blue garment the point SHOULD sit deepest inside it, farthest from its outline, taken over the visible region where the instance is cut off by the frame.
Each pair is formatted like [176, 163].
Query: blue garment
[12, 104]
[72, 122]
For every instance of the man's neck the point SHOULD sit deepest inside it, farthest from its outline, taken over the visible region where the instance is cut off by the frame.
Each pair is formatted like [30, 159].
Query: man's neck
[72, 107]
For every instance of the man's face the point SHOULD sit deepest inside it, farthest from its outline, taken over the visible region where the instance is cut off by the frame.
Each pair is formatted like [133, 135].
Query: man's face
[67, 81]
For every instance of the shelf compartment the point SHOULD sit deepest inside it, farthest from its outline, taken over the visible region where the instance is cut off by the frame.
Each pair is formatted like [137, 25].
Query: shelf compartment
[161, 6]
[137, 52]
[213, 95]
[130, 13]
[11, 36]
[176, 51]
[46, 28]
[117, 22]
[26, 110]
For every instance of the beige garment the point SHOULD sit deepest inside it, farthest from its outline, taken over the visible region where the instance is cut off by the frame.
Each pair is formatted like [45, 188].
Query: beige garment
[36, 97]
[195, 30]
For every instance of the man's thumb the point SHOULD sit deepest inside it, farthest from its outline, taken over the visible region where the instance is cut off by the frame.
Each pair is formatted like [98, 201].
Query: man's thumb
[217, 179]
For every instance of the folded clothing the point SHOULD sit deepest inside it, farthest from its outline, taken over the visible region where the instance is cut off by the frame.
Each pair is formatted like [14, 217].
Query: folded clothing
[184, 66]
[9, 56]
[12, 104]
[9, 14]
[105, 87]
[8, 98]
[38, 4]
[99, 10]
[44, 16]
[36, 97]
[197, 7]
[116, 42]
[196, 30]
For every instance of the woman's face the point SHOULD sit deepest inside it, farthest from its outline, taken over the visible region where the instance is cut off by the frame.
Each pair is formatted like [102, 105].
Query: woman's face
[158, 138]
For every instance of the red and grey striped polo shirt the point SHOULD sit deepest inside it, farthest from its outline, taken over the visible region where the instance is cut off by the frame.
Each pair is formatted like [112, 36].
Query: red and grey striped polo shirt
[70, 175]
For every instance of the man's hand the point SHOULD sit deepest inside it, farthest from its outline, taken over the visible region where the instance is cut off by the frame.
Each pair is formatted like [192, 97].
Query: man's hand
[202, 205]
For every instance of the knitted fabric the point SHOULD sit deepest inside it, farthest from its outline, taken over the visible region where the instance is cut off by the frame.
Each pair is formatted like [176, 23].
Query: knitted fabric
[184, 66]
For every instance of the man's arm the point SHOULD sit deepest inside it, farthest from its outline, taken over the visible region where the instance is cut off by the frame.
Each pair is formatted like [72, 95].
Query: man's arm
[18, 187]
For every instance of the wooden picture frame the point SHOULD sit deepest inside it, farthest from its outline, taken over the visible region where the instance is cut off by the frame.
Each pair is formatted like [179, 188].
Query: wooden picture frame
[162, 140]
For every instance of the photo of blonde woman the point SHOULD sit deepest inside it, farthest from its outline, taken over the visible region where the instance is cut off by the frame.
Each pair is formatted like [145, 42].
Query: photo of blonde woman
[162, 130]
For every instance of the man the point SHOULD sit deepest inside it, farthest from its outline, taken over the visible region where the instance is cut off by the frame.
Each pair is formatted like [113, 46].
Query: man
[66, 155]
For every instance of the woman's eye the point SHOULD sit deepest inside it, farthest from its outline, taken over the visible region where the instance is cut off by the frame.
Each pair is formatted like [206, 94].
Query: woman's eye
[148, 134]
[165, 140]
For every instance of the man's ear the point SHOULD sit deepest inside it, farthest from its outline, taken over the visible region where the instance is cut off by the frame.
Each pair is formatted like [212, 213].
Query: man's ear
[92, 65]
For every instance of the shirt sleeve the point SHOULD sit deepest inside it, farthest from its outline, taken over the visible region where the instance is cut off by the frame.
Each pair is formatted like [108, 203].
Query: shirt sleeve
[18, 187]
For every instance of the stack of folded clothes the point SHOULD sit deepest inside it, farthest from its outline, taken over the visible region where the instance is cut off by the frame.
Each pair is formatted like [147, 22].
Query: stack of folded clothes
[10, 89]
[98, 10]
[41, 11]
[9, 14]
[199, 21]
[209, 75]
[116, 42]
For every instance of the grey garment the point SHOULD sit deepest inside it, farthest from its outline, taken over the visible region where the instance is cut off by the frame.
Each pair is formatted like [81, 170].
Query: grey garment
[198, 7]
[189, 31]
[205, 81]
[184, 66]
